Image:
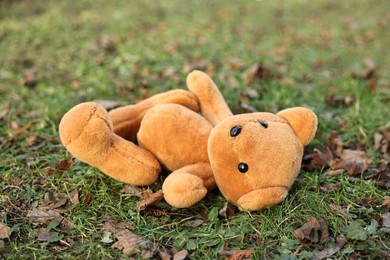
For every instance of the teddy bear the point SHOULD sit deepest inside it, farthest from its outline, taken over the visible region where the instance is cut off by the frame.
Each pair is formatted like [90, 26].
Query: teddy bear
[252, 158]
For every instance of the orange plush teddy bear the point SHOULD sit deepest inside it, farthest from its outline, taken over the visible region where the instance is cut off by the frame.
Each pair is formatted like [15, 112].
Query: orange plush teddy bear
[252, 158]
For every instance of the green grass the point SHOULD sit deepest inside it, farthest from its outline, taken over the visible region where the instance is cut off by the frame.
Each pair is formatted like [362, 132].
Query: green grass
[60, 41]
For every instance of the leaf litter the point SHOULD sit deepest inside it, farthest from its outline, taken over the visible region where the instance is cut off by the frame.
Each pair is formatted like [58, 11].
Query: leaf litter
[126, 241]
[336, 159]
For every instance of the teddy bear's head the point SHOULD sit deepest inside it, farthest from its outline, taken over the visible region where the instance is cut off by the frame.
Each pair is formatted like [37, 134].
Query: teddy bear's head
[256, 157]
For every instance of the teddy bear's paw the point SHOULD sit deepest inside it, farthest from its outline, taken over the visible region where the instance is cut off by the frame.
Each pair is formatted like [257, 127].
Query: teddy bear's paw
[262, 198]
[86, 131]
[182, 190]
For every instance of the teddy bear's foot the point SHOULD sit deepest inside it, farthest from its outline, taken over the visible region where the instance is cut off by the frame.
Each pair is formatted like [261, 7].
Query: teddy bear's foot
[188, 185]
[212, 104]
[86, 131]
[262, 198]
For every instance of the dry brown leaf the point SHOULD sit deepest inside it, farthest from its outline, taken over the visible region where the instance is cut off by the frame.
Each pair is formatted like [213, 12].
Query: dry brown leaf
[107, 42]
[386, 202]
[340, 242]
[53, 204]
[313, 230]
[339, 101]
[241, 255]
[317, 160]
[383, 168]
[382, 143]
[181, 255]
[386, 220]
[5, 231]
[60, 166]
[150, 200]
[39, 216]
[258, 72]
[30, 78]
[74, 197]
[164, 254]
[129, 189]
[353, 161]
[131, 244]
[43, 234]
[329, 187]
[1, 243]
[331, 173]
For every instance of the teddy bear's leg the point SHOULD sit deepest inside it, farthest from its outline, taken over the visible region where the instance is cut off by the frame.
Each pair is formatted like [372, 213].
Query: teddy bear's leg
[188, 185]
[127, 119]
[86, 131]
[212, 104]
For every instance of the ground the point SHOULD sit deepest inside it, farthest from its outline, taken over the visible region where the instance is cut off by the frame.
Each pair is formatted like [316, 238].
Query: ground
[265, 55]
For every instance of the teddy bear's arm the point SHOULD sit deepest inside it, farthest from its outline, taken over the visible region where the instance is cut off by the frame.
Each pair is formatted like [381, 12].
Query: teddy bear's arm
[262, 198]
[86, 131]
[126, 120]
[188, 185]
[212, 104]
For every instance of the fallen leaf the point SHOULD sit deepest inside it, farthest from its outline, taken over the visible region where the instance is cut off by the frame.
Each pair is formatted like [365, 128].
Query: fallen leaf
[164, 254]
[74, 197]
[60, 166]
[241, 255]
[339, 101]
[43, 234]
[386, 220]
[383, 168]
[352, 161]
[329, 187]
[129, 189]
[131, 244]
[193, 223]
[53, 202]
[258, 72]
[181, 255]
[317, 160]
[1, 243]
[150, 200]
[313, 230]
[5, 231]
[340, 242]
[386, 202]
[331, 173]
[39, 216]
[30, 78]
[107, 42]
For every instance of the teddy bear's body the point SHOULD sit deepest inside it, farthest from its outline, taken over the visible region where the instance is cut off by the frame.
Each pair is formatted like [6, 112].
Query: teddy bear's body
[253, 158]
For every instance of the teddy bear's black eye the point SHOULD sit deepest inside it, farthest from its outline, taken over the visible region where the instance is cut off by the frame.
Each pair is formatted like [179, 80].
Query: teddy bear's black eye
[236, 130]
[243, 167]
[263, 124]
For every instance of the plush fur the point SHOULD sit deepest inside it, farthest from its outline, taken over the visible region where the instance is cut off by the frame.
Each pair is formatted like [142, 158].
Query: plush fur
[195, 136]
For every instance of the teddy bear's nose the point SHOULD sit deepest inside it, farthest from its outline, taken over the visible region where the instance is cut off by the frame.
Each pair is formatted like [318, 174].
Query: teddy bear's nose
[236, 130]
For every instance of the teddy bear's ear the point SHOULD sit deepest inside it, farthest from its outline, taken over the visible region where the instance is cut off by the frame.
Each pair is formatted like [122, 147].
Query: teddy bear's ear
[303, 121]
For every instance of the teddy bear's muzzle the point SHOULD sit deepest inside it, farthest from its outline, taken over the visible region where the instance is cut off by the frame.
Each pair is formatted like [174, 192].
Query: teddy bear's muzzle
[262, 198]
